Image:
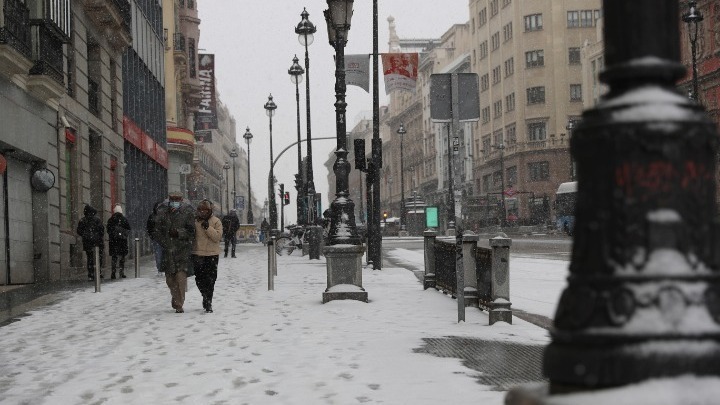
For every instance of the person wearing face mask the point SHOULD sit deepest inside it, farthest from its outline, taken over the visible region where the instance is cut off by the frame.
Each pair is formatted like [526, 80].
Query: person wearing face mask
[206, 251]
[174, 229]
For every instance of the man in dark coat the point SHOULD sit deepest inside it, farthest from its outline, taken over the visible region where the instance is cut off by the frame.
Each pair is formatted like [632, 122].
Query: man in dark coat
[91, 230]
[174, 229]
[118, 229]
[230, 224]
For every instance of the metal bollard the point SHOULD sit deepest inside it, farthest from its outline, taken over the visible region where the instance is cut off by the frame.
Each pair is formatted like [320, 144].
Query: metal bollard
[97, 269]
[271, 260]
[137, 256]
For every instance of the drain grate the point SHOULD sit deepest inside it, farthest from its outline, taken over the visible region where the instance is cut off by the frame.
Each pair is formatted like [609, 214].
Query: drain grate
[502, 365]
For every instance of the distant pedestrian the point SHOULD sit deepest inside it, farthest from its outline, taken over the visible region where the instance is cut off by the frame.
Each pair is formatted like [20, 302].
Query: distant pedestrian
[118, 229]
[174, 229]
[206, 251]
[157, 248]
[91, 230]
[264, 231]
[230, 225]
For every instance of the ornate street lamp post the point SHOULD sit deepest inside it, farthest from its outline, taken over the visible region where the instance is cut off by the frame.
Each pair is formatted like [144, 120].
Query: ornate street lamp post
[402, 133]
[226, 166]
[305, 30]
[296, 76]
[270, 111]
[643, 295]
[248, 138]
[233, 155]
[692, 18]
[344, 251]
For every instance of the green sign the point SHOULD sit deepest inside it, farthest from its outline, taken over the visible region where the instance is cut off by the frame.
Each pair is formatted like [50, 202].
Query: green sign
[431, 217]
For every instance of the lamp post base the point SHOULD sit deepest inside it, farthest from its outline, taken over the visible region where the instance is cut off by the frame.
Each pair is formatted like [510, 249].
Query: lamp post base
[344, 273]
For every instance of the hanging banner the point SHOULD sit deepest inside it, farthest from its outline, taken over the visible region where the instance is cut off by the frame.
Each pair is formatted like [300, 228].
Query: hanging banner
[206, 116]
[357, 71]
[400, 71]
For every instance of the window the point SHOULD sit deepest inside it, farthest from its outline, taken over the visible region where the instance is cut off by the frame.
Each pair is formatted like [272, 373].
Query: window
[509, 67]
[510, 102]
[192, 63]
[495, 40]
[484, 82]
[191, 4]
[486, 115]
[574, 56]
[483, 50]
[70, 89]
[539, 171]
[536, 95]
[486, 144]
[533, 22]
[493, 7]
[482, 17]
[535, 58]
[582, 18]
[537, 131]
[507, 32]
[511, 175]
[486, 183]
[497, 179]
[498, 137]
[510, 134]
[94, 62]
[576, 92]
[496, 75]
[113, 96]
[497, 109]
[70, 181]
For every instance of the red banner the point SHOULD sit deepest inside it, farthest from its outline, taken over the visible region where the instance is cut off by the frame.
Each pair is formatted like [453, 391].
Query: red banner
[162, 156]
[400, 71]
[132, 133]
[148, 146]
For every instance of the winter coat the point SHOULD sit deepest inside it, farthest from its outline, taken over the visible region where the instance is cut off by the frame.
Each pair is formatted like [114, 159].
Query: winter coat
[118, 229]
[91, 229]
[176, 249]
[150, 223]
[230, 224]
[207, 241]
[265, 226]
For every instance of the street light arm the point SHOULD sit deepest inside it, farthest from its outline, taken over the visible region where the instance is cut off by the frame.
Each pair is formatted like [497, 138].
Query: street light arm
[295, 143]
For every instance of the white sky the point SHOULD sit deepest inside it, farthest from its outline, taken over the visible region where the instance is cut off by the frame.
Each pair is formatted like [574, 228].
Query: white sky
[126, 345]
[255, 43]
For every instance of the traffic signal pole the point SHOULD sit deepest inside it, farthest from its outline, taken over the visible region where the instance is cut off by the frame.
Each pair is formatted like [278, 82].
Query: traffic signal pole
[282, 207]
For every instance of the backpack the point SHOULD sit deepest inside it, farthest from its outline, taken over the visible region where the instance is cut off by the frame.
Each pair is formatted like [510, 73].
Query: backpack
[119, 232]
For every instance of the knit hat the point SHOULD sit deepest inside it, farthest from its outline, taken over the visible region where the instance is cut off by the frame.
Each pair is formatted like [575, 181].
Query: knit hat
[118, 209]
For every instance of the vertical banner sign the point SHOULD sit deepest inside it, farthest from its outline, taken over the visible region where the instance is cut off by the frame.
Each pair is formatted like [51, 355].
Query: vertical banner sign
[357, 71]
[239, 202]
[206, 116]
[400, 71]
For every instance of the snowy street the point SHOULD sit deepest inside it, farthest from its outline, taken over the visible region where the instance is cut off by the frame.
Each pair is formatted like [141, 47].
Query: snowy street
[127, 345]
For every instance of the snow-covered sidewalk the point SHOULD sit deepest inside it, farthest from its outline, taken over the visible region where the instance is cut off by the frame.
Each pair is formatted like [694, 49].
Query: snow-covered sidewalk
[126, 345]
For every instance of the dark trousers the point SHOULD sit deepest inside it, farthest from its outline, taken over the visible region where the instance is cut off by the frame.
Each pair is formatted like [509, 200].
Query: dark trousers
[113, 263]
[91, 260]
[205, 276]
[230, 240]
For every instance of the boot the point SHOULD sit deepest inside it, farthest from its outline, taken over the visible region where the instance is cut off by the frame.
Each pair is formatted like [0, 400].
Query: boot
[233, 253]
[112, 268]
[122, 272]
[112, 276]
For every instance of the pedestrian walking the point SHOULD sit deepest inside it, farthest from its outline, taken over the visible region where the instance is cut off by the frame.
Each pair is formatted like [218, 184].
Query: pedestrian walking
[91, 230]
[230, 225]
[118, 229]
[157, 248]
[264, 231]
[174, 229]
[206, 251]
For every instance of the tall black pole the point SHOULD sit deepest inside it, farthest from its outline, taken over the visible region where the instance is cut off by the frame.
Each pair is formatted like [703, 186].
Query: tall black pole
[693, 17]
[296, 72]
[270, 109]
[451, 187]
[375, 239]
[342, 221]
[306, 29]
[503, 213]
[403, 218]
[643, 295]
[249, 217]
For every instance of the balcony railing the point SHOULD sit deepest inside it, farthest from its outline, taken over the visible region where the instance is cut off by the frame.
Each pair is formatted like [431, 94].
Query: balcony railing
[15, 27]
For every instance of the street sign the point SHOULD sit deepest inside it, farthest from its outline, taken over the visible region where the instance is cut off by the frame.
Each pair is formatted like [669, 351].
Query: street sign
[185, 169]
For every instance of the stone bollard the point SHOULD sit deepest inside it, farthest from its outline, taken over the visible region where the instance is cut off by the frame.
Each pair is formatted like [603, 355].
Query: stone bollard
[429, 277]
[469, 244]
[500, 273]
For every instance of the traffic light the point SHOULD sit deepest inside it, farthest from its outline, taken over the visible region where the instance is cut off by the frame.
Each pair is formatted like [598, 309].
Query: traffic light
[385, 215]
[286, 198]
